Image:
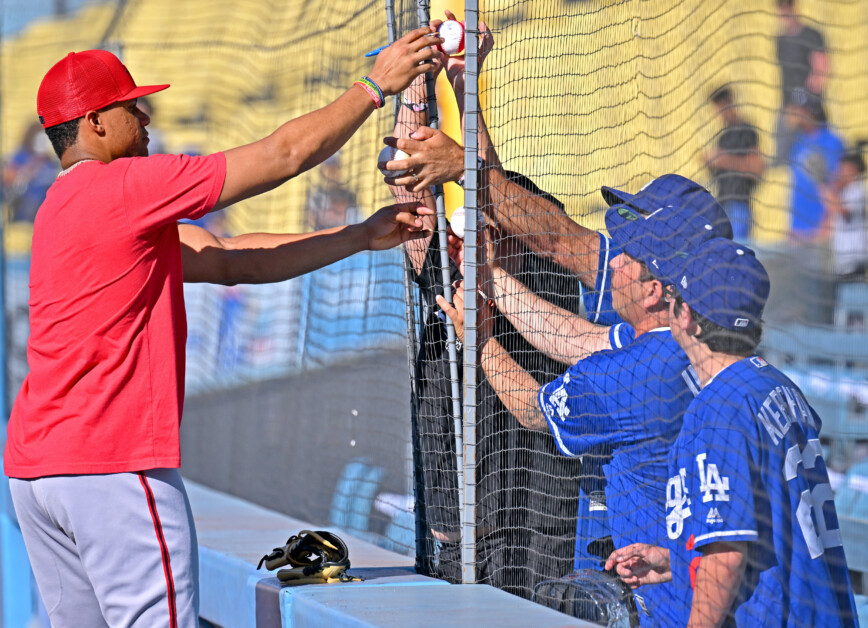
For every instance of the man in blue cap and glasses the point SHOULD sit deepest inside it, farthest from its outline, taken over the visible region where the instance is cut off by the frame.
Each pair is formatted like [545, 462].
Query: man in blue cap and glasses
[629, 400]
[752, 532]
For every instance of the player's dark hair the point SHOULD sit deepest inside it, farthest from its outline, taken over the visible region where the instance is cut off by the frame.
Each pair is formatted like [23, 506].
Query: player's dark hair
[722, 95]
[720, 339]
[786, 3]
[63, 135]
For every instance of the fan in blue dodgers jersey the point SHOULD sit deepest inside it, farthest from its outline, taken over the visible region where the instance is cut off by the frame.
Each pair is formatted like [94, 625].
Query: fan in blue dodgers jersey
[753, 531]
[631, 399]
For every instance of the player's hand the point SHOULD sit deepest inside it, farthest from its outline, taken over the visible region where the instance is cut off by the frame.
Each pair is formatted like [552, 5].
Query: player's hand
[640, 564]
[396, 224]
[435, 158]
[405, 59]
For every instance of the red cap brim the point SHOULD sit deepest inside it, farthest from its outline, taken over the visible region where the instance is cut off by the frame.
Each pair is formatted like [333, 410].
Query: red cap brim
[143, 90]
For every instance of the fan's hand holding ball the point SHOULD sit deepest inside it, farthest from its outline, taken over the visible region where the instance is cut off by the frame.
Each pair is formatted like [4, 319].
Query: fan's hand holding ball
[388, 154]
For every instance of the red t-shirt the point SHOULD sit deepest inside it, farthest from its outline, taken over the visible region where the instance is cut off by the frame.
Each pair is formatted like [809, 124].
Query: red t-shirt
[107, 322]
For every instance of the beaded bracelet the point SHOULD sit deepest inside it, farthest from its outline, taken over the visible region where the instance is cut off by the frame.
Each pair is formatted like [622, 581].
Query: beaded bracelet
[373, 90]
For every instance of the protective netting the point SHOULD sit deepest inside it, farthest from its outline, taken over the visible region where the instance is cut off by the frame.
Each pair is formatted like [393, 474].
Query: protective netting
[577, 95]
[761, 105]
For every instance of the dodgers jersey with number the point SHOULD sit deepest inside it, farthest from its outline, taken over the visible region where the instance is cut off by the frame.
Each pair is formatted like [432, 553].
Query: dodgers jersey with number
[748, 466]
[631, 400]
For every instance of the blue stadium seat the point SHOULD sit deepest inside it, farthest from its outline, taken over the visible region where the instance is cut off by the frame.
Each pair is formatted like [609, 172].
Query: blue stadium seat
[851, 305]
[354, 496]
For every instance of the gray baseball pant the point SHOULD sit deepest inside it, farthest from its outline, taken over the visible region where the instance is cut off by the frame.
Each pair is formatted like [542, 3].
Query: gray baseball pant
[111, 550]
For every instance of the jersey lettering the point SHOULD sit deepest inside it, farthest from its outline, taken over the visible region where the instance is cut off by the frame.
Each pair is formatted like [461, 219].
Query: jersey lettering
[678, 502]
[780, 410]
[809, 513]
[711, 485]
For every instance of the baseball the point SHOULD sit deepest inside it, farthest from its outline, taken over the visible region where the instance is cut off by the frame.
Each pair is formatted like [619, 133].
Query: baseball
[452, 31]
[457, 222]
[391, 154]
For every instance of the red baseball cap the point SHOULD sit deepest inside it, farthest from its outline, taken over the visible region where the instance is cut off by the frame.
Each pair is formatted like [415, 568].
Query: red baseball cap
[85, 81]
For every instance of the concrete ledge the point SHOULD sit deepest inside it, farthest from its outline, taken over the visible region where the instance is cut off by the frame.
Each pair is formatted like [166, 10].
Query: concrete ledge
[395, 606]
[234, 534]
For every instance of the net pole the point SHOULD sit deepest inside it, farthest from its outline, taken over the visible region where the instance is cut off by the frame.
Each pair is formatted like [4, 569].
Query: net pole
[471, 312]
[423, 553]
[423, 8]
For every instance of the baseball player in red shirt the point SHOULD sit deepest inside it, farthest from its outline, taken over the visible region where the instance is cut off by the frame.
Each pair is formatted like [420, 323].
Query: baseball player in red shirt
[93, 450]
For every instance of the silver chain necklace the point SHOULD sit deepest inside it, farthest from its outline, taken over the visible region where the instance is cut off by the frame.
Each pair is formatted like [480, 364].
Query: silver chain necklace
[73, 167]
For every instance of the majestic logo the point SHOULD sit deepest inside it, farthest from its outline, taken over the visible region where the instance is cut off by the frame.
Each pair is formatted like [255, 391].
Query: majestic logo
[741, 322]
[713, 516]
[758, 362]
[627, 213]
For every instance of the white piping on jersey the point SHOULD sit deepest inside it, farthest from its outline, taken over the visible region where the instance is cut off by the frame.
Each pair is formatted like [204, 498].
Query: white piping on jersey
[602, 282]
[554, 428]
[657, 330]
[724, 533]
[690, 376]
[616, 334]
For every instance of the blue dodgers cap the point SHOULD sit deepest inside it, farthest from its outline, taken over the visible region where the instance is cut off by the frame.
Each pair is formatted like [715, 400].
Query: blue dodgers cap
[681, 221]
[723, 281]
[672, 190]
[657, 237]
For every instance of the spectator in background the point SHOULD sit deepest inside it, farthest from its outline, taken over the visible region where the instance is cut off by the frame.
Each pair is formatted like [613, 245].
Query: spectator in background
[801, 54]
[735, 163]
[28, 174]
[814, 157]
[844, 202]
[331, 203]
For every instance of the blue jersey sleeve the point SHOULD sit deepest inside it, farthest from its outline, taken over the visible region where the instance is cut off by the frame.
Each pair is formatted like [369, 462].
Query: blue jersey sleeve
[598, 302]
[575, 410]
[621, 335]
[720, 486]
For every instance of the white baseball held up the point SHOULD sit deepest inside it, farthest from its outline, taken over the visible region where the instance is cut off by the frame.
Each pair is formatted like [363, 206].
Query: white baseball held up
[388, 154]
[452, 32]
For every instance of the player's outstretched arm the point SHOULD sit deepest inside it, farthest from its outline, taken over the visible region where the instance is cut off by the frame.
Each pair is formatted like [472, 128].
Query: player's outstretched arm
[516, 388]
[640, 564]
[302, 143]
[560, 334]
[269, 257]
[718, 577]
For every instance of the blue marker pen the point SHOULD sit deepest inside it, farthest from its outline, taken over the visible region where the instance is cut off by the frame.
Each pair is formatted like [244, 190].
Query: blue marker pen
[377, 51]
